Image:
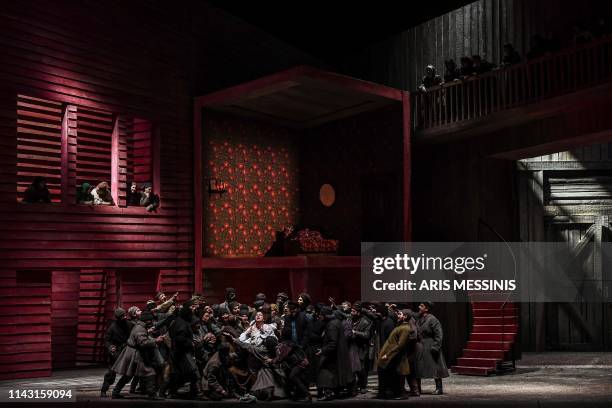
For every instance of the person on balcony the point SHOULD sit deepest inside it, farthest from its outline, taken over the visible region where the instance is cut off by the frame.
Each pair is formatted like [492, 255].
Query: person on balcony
[429, 360]
[582, 35]
[452, 72]
[467, 67]
[480, 66]
[102, 194]
[430, 79]
[37, 192]
[511, 56]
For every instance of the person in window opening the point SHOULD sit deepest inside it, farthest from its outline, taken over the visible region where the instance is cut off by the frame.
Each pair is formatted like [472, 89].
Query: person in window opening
[149, 199]
[83, 194]
[102, 194]
[37, 192]
[133, 195]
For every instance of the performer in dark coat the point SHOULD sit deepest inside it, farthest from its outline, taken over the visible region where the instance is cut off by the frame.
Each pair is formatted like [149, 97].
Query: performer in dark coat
[314, 342]
[361, 336]
[334, 367]
[430, 361]
[216, 379]
[137, 358]
[294, 326]
[292, 360]
[115, 341]
[393, 358]
[37, 192]
[388, 321]
[184, 367]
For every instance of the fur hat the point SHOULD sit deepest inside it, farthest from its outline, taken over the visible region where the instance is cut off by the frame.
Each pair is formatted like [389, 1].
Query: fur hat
[119, 313]
[132, 311]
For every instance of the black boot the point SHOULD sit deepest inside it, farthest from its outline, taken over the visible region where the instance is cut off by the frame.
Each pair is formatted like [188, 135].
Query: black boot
[134, 385]
[438, 390]
[328, 395]
[120, 384]
[414, 387]
[418, 383]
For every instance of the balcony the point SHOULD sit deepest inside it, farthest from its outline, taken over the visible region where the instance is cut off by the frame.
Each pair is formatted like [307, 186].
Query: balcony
[513, 95]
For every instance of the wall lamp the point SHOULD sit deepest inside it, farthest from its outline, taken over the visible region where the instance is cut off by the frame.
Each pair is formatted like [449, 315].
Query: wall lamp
[216, 186]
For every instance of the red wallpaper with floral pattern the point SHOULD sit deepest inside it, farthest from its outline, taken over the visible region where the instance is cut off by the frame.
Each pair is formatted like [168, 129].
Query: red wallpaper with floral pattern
[260, 164]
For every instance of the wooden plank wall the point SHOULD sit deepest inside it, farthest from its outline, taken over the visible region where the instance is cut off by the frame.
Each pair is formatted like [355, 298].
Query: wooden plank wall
[50, 55]
[481, 27]
[141, 59]
[64, 306]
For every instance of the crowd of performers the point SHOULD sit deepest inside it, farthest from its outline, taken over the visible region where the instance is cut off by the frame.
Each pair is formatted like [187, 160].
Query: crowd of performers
[267, 351]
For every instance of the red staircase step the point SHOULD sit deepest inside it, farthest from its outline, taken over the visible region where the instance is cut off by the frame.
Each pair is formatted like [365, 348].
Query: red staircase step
[495, 320]
[471, 370]
[492, 312]
[489, 345]
[470, 353]
[477, 362]
[494, 328]
[491, 336]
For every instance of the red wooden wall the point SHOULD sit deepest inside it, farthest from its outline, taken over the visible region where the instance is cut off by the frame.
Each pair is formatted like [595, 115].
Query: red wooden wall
[84, 74]
[103, 68]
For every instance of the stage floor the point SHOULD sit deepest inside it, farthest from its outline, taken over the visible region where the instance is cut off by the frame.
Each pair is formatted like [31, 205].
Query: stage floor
[541, 380]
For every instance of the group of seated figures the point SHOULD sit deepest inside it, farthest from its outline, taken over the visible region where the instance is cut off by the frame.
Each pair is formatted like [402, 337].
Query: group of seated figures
[100, 194]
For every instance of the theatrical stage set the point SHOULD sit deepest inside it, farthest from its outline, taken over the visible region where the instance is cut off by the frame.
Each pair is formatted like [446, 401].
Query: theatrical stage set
[185, 189]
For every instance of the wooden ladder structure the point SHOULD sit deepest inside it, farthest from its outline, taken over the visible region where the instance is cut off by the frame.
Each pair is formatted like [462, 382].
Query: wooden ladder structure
[91, 316]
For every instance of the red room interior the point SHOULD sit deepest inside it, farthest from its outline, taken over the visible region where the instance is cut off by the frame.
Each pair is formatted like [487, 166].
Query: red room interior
[275, 141]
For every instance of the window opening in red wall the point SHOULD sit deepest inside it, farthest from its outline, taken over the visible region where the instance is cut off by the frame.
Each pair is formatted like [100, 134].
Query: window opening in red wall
[39, 145]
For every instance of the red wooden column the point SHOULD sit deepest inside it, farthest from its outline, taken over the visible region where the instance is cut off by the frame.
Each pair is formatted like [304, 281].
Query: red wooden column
[156, 164]
[115, 160]
[407, 170]
[197, 194]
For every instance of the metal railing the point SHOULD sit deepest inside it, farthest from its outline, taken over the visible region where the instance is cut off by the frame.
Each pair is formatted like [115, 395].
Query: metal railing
[515, 85]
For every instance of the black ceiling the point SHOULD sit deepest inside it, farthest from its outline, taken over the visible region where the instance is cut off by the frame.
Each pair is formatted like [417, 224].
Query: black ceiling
[333, 28]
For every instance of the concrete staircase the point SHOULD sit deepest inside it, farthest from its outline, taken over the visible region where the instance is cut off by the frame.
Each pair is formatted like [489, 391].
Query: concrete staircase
[492, 337]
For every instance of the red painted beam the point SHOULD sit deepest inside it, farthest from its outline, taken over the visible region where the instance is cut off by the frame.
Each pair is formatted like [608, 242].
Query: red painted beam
[407, 163]
[292, 75]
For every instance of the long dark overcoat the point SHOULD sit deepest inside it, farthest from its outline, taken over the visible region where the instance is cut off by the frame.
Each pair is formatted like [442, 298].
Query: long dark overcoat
[334, 365]
[431, 334]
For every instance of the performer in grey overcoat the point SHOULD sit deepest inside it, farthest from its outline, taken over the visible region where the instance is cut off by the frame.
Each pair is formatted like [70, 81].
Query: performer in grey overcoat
[429, 360]
[137, 358]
